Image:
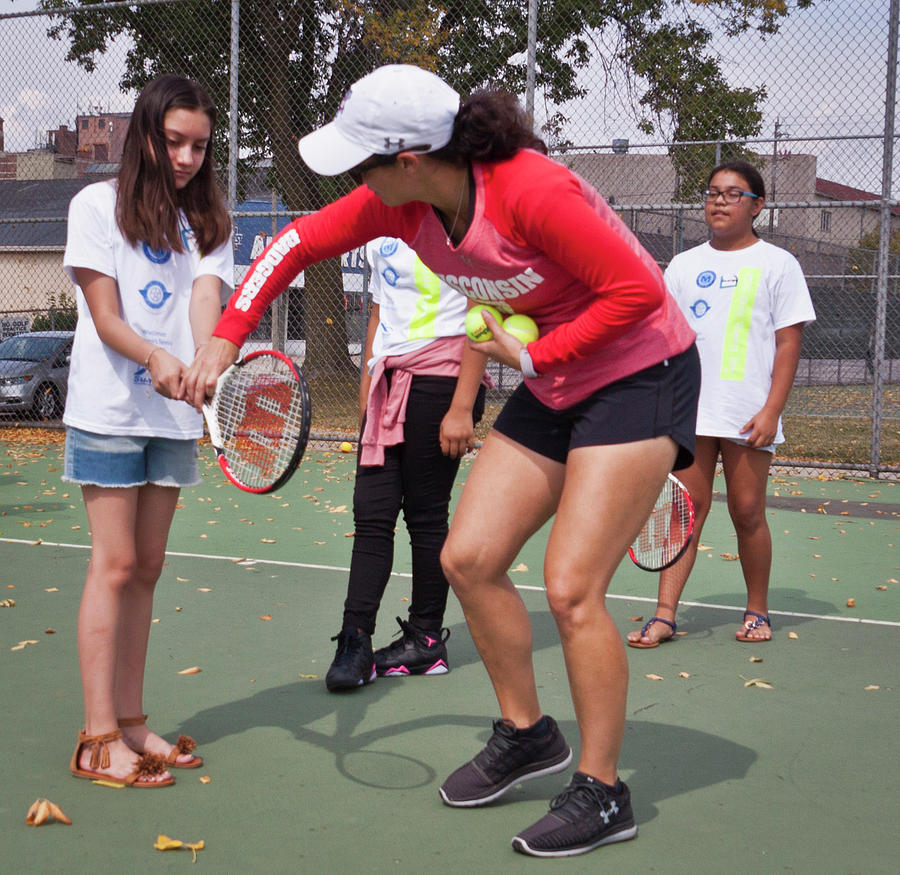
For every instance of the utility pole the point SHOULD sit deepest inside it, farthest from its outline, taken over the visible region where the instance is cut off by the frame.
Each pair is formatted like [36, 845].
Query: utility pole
[774, 175]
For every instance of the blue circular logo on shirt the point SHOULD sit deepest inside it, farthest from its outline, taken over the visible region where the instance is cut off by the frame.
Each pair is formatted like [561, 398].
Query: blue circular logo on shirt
[706, 279]
[699, 308]
[388, 246]
[155, 294]
[157, 256]
[390, 276]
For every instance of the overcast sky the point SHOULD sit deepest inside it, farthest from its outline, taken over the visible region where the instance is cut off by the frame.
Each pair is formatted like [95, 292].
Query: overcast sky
[825, 74]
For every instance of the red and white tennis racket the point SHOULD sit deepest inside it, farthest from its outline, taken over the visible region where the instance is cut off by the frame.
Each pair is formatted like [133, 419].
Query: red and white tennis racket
[668, 530]
[258, 420]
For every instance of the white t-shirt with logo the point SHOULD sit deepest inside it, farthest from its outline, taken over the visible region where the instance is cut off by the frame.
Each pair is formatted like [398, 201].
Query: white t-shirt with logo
[414, 305]
[109, 393]
[736, 301]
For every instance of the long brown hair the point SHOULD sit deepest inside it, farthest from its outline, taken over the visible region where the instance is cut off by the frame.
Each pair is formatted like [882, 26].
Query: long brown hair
[147, 202]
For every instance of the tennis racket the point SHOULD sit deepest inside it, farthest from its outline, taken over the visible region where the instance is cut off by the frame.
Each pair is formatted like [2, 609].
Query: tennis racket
[668, 530]
[258, 420]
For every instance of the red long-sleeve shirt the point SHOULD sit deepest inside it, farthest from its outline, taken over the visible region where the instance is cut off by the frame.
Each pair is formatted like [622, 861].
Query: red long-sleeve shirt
[541, 242]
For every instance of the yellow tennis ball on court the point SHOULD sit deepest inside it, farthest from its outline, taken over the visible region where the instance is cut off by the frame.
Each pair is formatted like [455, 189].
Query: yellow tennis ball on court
[346, 447]
[522, 327]
[476, 329]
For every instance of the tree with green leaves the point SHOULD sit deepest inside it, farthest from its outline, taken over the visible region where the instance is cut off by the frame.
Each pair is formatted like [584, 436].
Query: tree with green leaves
[298, 57]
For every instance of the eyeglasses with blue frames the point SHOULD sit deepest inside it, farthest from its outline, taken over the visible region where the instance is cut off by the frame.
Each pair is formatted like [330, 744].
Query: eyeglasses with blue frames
[730, 195]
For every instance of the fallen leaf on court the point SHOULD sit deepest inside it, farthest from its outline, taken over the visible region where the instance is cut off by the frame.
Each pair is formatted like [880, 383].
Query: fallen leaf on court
[44, 811]
[817, 556]
[51, 589]
[756, 659]
[183, 579]
[205, 779]
[242, 559]
[49, 631]
[9, 603]
[309, 677]
[266, 617]
[793, 635]
[194, 669]
[882, 588]
[872, 687]
[892, 580]
[762, 683]
[266, 540]
[684, 674]
[164, 843]
[703, 548]
[653, 677]
[320, 543]
[851, 603]
[203, 589]
[353, 535]
[155, 620]
[341, 508]
[22, 645]
[636, 619]
[520, 567]
[729, 557]
[821, 509]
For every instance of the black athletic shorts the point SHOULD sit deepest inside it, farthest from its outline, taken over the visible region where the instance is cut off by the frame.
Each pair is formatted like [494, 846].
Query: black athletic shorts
[660, 400]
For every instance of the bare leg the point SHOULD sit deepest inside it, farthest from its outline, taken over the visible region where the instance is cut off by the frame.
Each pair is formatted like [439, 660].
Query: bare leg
[509, 494]
[746, 474]
[698, 480]
[104, 604]
[603, 507]
[155, 509]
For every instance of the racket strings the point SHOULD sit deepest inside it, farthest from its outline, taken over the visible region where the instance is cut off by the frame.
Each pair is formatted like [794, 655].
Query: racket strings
[260, 412]
[668, 527]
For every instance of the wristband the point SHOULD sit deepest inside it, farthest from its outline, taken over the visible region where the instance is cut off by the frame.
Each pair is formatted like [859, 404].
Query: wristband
[150, 356]
[526, 365]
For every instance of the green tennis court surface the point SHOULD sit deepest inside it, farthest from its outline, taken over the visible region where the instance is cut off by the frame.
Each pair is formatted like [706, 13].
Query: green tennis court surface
[797, 775]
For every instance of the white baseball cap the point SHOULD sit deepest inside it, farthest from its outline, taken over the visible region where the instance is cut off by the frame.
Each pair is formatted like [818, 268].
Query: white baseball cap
[396, 107]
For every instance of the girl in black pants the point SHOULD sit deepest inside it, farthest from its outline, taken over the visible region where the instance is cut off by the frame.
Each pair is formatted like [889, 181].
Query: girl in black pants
[420, 368]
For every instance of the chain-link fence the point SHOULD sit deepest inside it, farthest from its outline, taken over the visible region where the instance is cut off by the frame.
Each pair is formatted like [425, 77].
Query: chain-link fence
[641, 98]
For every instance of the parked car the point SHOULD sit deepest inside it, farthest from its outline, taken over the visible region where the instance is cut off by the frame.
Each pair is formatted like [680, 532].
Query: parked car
[34, 373]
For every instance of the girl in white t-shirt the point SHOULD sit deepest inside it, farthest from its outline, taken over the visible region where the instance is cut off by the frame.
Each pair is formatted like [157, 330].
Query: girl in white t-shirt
[748, 302]
[149, 254]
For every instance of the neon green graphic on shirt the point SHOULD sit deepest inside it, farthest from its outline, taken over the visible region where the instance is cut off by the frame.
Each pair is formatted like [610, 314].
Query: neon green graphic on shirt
[737, 329]
[422, 324]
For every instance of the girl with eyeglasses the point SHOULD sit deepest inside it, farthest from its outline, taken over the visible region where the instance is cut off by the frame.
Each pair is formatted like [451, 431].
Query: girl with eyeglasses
[748, 302]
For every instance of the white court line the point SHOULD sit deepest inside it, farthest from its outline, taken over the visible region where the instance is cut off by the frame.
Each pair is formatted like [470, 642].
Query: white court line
[246, 560]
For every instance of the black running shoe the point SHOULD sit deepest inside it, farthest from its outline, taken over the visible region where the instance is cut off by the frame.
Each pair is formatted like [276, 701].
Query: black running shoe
[586, 815]
[353, 664]
[508, 758]
[414, 652]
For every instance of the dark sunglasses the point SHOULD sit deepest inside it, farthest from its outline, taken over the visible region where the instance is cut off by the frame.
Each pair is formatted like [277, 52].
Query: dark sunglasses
[356, 173]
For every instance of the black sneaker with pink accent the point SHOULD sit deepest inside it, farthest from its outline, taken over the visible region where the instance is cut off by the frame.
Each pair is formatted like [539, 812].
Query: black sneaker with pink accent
[414, 652]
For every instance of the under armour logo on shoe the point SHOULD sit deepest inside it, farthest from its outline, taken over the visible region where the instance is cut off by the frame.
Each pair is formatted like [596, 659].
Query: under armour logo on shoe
[607, 813]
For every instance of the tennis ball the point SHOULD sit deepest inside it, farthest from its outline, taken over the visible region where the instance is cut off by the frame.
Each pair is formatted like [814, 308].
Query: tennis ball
[521, 327]
[346, 447]
[475, 325]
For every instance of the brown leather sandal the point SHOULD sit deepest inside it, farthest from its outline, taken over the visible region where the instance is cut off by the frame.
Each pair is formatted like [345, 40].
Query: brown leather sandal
[184, 745]
[146, 766]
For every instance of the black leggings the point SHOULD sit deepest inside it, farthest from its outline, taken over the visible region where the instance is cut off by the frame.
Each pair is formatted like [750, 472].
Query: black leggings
[417, 478]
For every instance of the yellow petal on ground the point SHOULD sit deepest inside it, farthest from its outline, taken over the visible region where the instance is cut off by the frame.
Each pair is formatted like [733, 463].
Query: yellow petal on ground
[756, 659]
[636, 619]
[872, 687]
[520, 567]
[51, 589]
[684, 674]
[164, 843]
[882, 588]
[703, 548]
[266, 617]
[183, 579]
[309, 677]
[266, 540]
[851, 603]
[729, 557]
[793, 635]
[653, 677]
[341, 508]
[205, 779]
[204, 589]
[762, 683]
[194, 669]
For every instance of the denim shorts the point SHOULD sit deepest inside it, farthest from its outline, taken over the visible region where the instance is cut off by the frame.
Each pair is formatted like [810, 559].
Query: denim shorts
[128, 460]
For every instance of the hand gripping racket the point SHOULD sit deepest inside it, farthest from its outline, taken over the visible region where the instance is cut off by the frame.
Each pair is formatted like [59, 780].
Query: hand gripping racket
[668, 530]
[258, 420]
